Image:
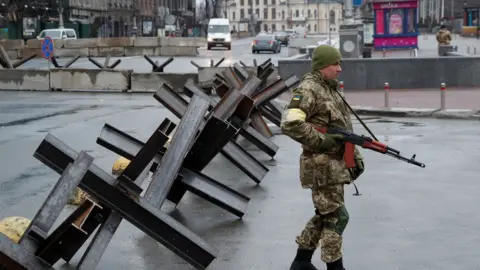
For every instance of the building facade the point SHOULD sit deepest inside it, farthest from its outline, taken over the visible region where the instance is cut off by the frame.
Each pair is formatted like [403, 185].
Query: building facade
[315, 16]
[93, 18]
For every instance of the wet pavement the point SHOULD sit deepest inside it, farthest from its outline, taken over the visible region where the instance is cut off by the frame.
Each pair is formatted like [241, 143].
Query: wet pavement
[241, 51]
[407, 217]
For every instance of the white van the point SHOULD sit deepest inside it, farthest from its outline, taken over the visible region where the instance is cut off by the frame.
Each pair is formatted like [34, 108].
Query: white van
[58, 33]
[218, 34]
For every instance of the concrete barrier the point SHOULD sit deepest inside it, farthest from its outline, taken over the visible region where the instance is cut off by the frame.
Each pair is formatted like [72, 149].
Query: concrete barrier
[24, 79]
[115, 47]
[90, 79]
[150, 82]
[400, 73]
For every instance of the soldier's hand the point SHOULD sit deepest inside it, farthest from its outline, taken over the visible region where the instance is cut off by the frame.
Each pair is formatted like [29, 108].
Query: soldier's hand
[359, 168]
[330, 141]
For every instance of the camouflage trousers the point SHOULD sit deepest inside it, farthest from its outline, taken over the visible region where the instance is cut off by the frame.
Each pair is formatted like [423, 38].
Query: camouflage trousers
[325, 229]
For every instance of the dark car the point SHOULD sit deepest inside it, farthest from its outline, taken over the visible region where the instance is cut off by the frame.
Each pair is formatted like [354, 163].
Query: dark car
[266, 43]
[283, 37]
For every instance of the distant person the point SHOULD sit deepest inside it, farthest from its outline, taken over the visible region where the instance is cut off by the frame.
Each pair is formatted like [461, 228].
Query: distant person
[185, 31]
[443, 36]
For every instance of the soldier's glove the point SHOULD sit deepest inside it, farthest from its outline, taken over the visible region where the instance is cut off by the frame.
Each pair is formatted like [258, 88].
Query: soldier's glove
[330, 141]
[359, 168]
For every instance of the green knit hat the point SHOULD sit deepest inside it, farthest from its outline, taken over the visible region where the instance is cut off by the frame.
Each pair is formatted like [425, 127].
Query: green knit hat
[325, 55]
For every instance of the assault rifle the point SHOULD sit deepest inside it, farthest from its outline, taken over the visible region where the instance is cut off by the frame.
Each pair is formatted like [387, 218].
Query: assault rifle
[352, 139]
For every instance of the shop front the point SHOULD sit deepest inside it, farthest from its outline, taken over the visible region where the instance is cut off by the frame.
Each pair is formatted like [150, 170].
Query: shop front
[396, 24]
[471, 22]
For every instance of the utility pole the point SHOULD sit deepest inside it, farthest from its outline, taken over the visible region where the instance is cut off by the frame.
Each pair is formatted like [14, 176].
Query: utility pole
[452, 13]
[60, 13]
[443, 9]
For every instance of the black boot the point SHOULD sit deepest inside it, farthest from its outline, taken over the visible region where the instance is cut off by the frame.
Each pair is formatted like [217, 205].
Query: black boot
[303, 260]
[336, 265]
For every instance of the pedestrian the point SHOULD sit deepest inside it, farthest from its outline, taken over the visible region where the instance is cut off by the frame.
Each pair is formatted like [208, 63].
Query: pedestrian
[317, 103]
[443, 36]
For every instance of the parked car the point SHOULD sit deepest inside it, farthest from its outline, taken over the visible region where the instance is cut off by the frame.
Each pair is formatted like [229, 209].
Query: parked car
[266, 43]
[282, 36]
[291, 33]
[58, 33]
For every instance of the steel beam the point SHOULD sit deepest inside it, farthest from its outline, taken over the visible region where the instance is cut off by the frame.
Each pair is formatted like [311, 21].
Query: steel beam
[138, 211]
[205, 187]
[179, 147]
[22, 255]
[274, 90]
[253, 168]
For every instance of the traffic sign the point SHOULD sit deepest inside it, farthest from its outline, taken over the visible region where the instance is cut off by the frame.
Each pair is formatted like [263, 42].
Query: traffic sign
[47, 48]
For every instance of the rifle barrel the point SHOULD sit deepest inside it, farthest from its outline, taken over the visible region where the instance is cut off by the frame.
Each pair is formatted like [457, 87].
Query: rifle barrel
[408, 160]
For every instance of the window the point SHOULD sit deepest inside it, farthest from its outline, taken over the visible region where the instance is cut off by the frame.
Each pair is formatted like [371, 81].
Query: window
[297, 14]
[242, 13]
[265, 27]
[274, 13]
[309, 14]
[332, 16]
[219, 29]
[283, 14]
[265, 2]
[257, 2]
[400, 21]
[273, 2]
[242, 2]
[50, 33]
[265, 13]
[395, 21]
[71, 34]
[233, 15]
[472, 18]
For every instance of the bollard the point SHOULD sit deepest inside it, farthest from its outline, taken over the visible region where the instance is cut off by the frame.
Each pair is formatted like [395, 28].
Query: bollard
[442, 96]
[475, 50]
[384, 52]
[387, 95]
[342, 87]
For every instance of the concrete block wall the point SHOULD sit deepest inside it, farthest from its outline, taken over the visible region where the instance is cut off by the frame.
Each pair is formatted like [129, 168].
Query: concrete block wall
[101, 47]
[400, 73]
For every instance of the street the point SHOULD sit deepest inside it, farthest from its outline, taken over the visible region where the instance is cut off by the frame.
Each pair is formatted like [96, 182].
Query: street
[241, 51]
[406, 218]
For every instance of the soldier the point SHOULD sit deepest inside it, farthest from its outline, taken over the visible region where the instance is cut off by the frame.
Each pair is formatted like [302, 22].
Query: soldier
[443, 36]
[316, 103]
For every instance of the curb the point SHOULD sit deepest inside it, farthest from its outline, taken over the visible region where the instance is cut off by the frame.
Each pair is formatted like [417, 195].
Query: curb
[460, 114]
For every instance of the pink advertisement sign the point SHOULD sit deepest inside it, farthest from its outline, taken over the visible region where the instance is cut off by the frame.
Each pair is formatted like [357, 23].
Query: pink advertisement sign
[391, 42]
[380, 30]
[391, 5]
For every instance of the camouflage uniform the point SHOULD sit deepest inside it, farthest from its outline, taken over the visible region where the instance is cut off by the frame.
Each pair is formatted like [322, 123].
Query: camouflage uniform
[316, 103]
[444, 37]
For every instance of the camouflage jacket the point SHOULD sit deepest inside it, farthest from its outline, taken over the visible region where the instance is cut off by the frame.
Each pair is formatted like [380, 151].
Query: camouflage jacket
[444, 37]
[317, 102]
